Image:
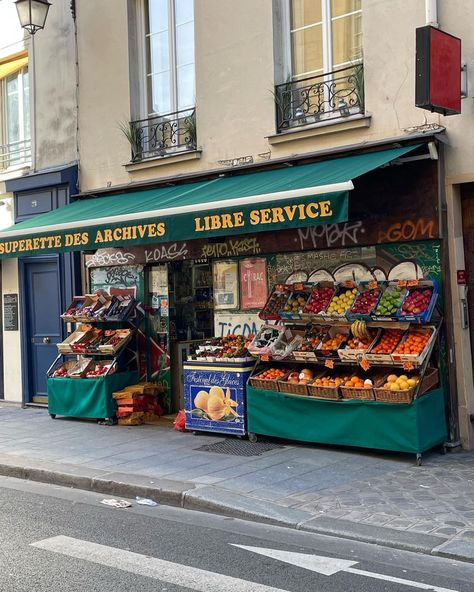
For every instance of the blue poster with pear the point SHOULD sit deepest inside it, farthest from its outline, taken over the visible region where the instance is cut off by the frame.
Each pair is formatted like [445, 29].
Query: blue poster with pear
[214, 397]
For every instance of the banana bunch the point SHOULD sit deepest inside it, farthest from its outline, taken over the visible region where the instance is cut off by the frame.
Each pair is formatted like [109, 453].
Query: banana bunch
[359, 330]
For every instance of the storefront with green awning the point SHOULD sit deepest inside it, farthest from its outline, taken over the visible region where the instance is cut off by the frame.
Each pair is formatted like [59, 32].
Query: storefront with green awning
[202, 256]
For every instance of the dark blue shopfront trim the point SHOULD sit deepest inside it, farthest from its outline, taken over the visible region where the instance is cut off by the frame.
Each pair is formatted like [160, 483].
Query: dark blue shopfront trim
[52, 177]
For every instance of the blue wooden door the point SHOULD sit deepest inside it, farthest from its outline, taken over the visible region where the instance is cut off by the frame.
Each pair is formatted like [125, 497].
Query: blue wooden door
[43, 324]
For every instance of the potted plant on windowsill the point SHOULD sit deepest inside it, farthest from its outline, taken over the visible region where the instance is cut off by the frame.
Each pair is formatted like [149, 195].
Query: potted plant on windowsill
[132, 134]
[190, 130]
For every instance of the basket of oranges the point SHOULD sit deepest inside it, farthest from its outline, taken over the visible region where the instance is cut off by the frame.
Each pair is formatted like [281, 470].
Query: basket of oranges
[335, 339]
[358, 388]
[381, 350]
[326, 386]
[268, 378]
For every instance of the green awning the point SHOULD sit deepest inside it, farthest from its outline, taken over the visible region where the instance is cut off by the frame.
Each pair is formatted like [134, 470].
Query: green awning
[290, 197]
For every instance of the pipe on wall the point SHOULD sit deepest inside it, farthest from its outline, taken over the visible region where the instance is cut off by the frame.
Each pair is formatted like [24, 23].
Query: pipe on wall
[431, 11]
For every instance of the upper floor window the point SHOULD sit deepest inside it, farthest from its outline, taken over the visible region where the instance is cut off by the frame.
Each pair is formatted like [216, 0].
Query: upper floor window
[15, 133]
[325, 35]
[170, 55]
[319, 64]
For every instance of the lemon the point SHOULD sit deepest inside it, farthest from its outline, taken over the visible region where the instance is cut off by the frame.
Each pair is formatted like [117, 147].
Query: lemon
[411, 382]
[394, 386]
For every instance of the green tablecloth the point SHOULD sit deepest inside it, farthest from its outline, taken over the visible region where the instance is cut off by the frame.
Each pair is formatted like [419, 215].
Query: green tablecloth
[369, 424]
[87, 397]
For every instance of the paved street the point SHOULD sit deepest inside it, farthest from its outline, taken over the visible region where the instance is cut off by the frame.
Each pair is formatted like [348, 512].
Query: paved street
[356, 494]
[54, 538]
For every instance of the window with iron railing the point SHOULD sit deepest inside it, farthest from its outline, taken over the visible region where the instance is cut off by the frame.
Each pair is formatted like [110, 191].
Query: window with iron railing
[15, 133]
[325, 75]
[167, 121]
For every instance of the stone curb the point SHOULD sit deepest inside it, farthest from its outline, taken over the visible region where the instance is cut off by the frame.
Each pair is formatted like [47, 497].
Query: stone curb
[212, 499]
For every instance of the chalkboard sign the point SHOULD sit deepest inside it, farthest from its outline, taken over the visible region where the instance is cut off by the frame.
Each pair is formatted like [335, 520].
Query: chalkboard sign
[10, 312]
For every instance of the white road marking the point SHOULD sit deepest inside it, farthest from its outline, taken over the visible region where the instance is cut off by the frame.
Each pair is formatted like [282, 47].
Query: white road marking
[151, 567]
[329, 566]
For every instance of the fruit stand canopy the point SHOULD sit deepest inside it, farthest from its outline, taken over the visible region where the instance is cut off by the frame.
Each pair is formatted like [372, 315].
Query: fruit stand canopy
[290, 197]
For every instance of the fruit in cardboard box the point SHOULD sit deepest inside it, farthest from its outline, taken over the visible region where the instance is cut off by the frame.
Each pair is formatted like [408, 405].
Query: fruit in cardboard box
[414, 343]
[361, 343]
[275, 303]
[333, 343]
[390, 301]
[341, 303]
[417, 301]
[388, 341]
[296, 302]
[319, 300]
[366, 301]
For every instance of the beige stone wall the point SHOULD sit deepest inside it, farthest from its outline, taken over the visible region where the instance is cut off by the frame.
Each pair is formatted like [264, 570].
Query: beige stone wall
[53, 81]
[11, 339]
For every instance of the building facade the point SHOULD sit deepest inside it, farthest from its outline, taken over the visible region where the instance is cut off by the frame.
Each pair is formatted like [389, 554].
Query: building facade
[147, 92]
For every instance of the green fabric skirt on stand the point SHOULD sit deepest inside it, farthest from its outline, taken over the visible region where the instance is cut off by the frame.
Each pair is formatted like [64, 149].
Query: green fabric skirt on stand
[369, 424]
[87, 397]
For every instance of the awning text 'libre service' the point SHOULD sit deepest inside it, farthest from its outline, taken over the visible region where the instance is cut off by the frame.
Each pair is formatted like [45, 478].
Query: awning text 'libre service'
[292, 197]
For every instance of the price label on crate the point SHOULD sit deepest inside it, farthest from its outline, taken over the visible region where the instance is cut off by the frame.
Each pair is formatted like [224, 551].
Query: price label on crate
[265, 358]
[373, 284]
[364, 364]
[349, 284]
[298, 287]
[329, 364]
[408, 366]
[401, 283]
[411, 283]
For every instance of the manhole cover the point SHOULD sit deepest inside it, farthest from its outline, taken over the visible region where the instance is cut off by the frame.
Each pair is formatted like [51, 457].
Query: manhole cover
[239, 447]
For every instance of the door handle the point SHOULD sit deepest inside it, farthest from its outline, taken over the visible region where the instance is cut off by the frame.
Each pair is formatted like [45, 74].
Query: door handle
[46, 340]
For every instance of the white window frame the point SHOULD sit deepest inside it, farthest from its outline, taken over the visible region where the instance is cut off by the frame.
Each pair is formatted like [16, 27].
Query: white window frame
[4, 117]
[145, 99]
[326, 21]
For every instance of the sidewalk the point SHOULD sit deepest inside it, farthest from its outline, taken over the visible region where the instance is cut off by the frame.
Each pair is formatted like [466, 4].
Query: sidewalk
[362, 495]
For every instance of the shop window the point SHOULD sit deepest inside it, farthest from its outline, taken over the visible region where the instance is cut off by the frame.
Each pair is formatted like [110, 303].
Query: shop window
[15, 134]
[321, 67]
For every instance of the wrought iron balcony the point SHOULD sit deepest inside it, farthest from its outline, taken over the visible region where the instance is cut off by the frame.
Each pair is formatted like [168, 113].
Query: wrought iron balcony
[160, 135]
[320, 98]
[15, 154]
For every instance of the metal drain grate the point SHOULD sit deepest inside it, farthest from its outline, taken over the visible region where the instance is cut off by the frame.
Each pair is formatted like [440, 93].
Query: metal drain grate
[239, 447]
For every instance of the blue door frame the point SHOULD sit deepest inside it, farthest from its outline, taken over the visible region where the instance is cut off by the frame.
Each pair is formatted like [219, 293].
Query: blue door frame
[35, 194]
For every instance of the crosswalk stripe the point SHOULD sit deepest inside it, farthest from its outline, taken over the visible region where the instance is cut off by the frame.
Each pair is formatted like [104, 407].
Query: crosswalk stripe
[151, 567]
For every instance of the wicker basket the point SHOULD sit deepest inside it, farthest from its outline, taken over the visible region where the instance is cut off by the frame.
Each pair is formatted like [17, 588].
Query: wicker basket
[261, 383]
[349, 392]
[293, 388]
[430, 380]
[324, 392]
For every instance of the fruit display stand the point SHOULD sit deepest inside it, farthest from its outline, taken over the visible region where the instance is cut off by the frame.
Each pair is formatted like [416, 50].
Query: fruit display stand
[98, 358]
[365, 377]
